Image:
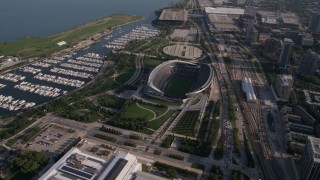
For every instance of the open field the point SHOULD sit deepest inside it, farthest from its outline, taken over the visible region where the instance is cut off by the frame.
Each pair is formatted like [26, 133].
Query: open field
[188, 124]
[133, 111]
[139, 117]
[157, 110]
[126, 70]
[124, 77]
[156, 123]
[177, 87]
[151, 63]
[110, 101]
[34, 46]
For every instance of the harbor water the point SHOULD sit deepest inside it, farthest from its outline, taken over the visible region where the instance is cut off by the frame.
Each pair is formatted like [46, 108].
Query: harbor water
[45, 21]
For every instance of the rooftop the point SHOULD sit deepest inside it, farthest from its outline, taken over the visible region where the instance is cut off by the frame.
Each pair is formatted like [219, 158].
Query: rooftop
[77, 165]
[248, 89]
[225, 19]
[315, 145]
[146, 176]
[221, 10]
[174, 15]
[285, 80]
[250, 10]
[290, 20]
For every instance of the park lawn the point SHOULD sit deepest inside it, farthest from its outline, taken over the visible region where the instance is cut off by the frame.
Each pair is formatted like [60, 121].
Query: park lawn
[157, 110]
[35, 46]
[110, 101]
[124, 77]
[127, 70]
[178, 87]
[146, 131]
[151, 63]
[133, 111]
[155, 124]
[188, 124]
[162, 102]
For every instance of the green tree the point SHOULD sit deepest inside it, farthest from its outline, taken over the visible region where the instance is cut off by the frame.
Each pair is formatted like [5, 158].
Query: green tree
[28, 161]
[172, 173]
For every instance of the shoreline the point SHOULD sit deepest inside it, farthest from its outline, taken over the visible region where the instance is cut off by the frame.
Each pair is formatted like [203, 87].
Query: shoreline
[35, 47]
[88, 42]
[96, 37]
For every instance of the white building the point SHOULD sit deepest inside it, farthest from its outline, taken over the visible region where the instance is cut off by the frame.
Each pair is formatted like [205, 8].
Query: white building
[247, 88]
[61, 43]
[77, 165]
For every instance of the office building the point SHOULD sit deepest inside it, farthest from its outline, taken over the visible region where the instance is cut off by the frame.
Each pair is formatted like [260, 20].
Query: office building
[314, 26]
[309, 62]
[306, 117]
[310, 160]
[248, 90]
[252, 36]
[283, 86]
[285, 53]
[271, 45]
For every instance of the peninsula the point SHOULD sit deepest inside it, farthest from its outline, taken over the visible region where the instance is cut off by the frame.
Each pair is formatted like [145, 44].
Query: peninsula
[86, 34]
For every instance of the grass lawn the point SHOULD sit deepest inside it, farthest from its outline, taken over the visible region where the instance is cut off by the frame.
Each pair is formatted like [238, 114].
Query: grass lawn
[124, 77]
[158, 110]
[110, 101]
[158, 101]
[188, 124]
[34, 46]
[177, 87]
[151, 63]
[155, 124]
[198, 166]
[135, 112]
[146, 131]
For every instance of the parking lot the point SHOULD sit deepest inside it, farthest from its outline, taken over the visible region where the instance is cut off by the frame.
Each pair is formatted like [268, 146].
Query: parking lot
[54, 140]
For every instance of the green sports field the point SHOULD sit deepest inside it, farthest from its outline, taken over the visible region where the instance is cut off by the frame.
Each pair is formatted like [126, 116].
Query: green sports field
[177, 87]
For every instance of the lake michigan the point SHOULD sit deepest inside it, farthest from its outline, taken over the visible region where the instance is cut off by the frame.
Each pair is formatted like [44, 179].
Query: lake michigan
[39, 18]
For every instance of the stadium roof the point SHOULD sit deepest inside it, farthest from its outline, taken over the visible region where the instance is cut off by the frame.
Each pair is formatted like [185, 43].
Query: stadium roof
[227, 11]
[155, 71]
[248, 90]
[205, 76]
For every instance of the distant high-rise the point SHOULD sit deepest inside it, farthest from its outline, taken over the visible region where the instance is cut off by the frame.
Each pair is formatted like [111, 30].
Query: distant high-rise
[309, 62]
[283, 86]
[314, 25]
[310, 160]
[252, 36]
[285, 53]
[271, 45]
